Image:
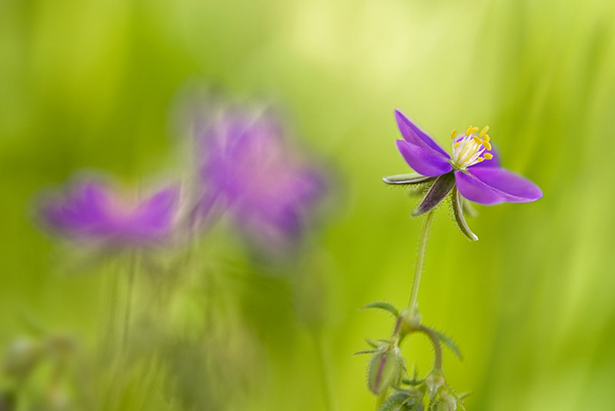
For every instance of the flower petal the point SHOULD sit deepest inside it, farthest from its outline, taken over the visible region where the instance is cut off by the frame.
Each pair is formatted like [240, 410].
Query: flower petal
[513, 187]
[154, 216]
[423, 160]
[412, 134]
[474, 190]
[492, 185]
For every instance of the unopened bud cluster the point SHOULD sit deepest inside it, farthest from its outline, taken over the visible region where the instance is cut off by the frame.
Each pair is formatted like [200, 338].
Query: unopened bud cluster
[387, 375]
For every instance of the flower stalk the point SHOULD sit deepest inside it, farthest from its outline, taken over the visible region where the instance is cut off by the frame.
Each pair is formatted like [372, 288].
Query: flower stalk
[413, 304]
[473, 172]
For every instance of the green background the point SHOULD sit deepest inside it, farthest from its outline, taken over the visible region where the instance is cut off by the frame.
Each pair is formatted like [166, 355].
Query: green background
[92, 84]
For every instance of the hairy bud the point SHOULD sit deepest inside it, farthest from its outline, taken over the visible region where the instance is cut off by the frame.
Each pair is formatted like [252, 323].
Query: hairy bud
[385, 368]
[443, 402]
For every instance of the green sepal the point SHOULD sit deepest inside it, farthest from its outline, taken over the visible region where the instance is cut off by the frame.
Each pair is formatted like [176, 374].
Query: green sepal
[401, 400]
[364, 352]
[406, 179]
[371, 343]
[457, 202]
[468, 209]
[450, 343]
[438, 192]
[383, 306]
[413, 382]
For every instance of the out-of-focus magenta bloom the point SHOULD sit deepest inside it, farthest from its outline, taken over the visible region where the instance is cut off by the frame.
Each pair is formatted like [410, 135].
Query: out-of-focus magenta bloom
[93, 211]
[248, 167]
[476, 167]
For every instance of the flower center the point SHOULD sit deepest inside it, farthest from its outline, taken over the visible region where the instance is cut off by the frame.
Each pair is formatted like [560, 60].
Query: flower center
[468, 149]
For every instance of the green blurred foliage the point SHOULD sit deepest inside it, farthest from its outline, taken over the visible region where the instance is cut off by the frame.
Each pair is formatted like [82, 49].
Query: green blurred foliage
[92, 84]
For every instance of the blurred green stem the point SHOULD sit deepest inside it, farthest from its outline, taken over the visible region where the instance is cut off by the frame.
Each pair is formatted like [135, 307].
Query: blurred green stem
[319, 343]
[132, 269]
[413, 305]
[110, 304]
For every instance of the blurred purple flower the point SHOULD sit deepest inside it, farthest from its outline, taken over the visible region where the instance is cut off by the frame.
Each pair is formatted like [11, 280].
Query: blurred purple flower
[95, 212]
[476, 166]
[247, 166]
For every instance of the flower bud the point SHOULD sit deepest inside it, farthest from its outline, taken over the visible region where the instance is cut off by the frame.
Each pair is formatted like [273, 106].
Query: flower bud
[385, 368]
[435, 382]
[410, 321]
[444, 402]
[21, 357]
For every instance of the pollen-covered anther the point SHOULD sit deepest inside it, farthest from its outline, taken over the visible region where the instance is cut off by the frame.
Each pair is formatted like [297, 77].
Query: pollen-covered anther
[453, 134]
[468, 150]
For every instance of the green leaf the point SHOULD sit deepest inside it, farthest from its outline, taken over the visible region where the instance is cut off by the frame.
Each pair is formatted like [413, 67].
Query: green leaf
[406, 179]
[438, 192]
[448, 341]
[457, 202]
[383, 306]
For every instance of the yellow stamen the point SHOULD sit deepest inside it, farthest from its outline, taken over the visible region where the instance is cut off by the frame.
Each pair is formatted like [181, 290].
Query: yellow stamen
[472, 148]
[467, 152]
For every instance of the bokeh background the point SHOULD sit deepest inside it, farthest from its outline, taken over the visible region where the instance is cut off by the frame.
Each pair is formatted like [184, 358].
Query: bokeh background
[93, 84]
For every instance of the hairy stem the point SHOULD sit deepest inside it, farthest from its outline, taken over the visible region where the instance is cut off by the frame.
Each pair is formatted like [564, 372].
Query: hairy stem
[413, 305]
[437, 347]
[380, 400]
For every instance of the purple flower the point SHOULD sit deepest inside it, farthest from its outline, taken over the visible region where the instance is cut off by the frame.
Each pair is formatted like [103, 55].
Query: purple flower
[473, 171]
[247, 166]
[92, 211]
